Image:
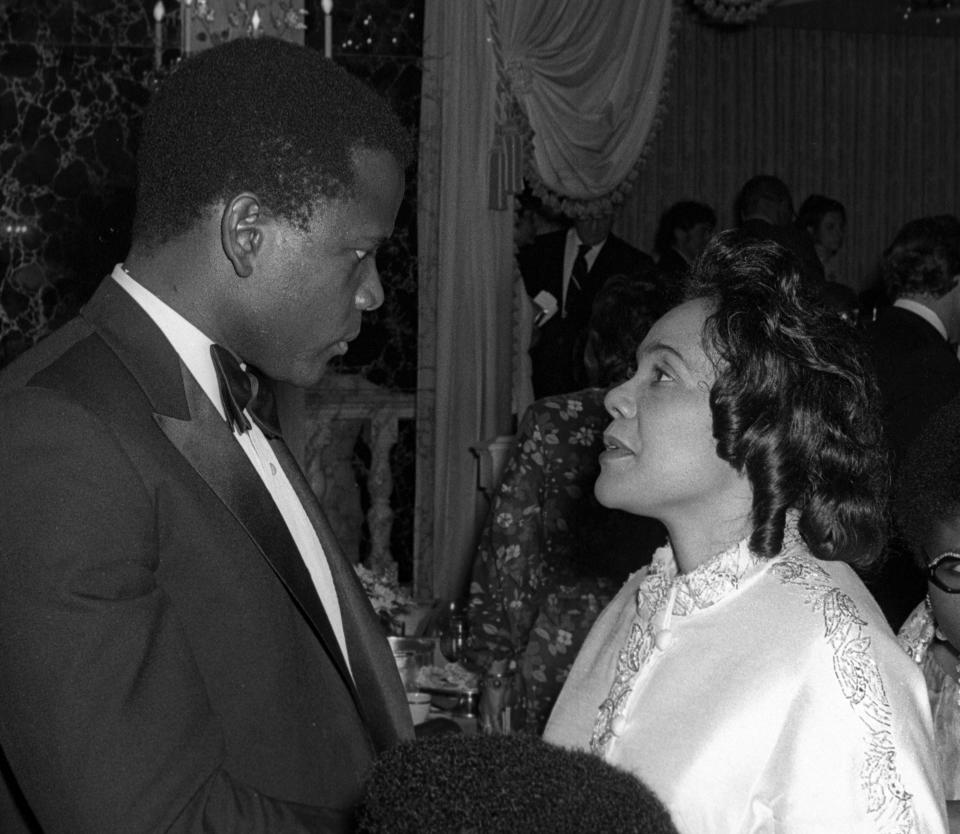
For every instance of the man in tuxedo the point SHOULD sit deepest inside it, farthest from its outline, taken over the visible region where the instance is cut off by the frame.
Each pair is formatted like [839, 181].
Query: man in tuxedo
[913, 343]
[562, 272]
[183, 646]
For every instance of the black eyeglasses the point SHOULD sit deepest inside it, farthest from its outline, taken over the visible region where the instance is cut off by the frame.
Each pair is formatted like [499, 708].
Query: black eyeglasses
[944, 572]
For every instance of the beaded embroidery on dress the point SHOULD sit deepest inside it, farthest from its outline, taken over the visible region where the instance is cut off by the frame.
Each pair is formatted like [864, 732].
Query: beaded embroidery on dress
[889, 803]
[698, 589]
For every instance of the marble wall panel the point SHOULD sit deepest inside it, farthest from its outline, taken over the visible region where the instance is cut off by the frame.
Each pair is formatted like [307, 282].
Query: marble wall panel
[72, 87]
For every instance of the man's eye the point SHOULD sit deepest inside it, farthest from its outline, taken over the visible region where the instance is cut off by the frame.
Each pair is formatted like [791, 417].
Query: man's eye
[361, 253]
[660, 375]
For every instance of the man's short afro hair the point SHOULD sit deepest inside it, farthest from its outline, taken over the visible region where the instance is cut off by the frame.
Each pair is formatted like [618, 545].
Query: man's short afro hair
[260, 115]
[501, 784]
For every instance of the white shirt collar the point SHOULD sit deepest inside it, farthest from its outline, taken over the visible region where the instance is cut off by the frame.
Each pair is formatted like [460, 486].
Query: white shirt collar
[570, 254]
[573, 240]
[924, 312]
[191, 345]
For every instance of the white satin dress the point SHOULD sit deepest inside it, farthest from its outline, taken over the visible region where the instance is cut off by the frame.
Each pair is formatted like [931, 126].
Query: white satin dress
[757, 695]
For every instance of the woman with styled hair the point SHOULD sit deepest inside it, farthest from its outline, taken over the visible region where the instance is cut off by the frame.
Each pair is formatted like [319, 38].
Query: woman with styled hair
[747, 675]
[825, 220]
[682, 232]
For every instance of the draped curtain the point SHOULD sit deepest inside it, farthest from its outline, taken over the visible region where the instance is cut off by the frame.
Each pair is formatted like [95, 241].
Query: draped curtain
[870, 119]
[587, 78]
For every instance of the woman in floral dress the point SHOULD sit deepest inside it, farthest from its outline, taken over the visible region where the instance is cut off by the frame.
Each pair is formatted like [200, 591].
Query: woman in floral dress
[550, 557]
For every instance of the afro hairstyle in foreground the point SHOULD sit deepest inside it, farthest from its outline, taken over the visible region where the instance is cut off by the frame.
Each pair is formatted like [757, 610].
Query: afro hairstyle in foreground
[259, 115]
[515, 783]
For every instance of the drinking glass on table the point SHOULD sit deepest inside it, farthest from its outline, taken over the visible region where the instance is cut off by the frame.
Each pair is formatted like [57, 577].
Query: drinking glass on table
[453, 633]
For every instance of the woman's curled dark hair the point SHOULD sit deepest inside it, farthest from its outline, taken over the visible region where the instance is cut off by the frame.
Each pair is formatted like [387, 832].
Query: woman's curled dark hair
[795, 404]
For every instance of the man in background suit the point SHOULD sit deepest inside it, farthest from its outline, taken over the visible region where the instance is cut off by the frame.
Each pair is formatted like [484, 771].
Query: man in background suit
[183, 646]
[913, 343]
[764, 209]
[562, 272]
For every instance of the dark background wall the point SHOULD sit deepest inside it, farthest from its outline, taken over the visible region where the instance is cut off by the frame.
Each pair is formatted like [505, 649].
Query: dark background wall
[846, 99]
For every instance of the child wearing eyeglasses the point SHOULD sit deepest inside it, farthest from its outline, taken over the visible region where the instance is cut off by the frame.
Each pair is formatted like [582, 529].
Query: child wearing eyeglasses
[927, 507]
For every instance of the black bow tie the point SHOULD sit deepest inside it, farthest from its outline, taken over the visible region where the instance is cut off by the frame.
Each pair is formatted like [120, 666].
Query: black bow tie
[244, 389]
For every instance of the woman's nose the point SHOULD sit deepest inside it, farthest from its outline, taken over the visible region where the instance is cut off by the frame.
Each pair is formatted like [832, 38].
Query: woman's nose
[370, 294]
[620, 401]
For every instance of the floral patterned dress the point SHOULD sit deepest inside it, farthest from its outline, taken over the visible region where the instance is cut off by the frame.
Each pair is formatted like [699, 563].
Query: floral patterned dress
[550, 557]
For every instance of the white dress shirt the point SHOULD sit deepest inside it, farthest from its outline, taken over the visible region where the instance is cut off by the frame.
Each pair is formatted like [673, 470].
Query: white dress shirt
[193, 348]
[570, 255]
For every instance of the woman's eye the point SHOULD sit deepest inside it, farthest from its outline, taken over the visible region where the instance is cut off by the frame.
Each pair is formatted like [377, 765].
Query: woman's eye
[950, 565]
[660, 375]
[361, 253]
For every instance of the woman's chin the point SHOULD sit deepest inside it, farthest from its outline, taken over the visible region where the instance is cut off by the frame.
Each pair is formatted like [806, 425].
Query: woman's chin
[613, 496]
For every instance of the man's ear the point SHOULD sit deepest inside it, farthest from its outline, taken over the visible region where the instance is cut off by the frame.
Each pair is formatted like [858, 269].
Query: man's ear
[240, 233]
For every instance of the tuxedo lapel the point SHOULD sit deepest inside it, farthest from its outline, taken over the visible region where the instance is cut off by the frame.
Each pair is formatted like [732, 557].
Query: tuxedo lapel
[604, 265]
[191, 422]
[554, 255]
[381, 695]
[208, 445]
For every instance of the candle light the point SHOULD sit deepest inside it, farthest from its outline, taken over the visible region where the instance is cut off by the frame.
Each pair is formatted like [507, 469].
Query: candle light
[158, 14]
[327, 6]
[185, 12]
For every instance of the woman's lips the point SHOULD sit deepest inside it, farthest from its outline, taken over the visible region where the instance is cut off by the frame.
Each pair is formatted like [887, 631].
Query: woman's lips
[614, 449]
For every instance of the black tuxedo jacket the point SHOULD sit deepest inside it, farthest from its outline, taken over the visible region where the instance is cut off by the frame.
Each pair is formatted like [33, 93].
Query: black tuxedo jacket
[556, 367]
[165, 661]
[918, 372]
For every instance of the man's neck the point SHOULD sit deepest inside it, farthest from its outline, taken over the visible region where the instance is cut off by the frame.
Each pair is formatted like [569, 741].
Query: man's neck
[172, 273]
[578, 240]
